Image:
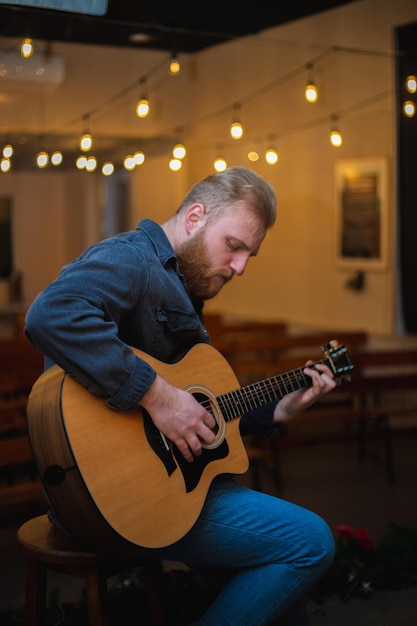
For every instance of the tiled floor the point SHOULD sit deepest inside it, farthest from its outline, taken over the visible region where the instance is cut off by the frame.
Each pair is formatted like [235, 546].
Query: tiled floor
[324, 478]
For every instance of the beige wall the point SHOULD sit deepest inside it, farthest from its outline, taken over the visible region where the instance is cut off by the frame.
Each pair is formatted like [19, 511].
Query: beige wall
[295, 277]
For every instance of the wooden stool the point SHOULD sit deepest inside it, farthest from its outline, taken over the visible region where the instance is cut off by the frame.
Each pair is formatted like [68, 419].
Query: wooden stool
[46, 547]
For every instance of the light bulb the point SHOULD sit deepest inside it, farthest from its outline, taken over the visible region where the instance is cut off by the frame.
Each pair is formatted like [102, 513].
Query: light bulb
[409, 108]
[129, 163]
[336, 138]
[311, 93]
[220, 164]
[26, 48]
[271, 156]
[56, 158]
[411, 84]
[7, 151]
[174, 66]
[143, 108]
[5, 165]
[91, 164]
[179, 151]
[175, 165]
[236, 130]
[253, 156]
[81, 162]
[107, 169]
[139, 157]
[86, 142]
[42, 159]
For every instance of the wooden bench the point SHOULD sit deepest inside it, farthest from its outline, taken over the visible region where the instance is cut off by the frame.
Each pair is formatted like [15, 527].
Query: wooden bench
[379, 400]
[386, 384]
[20, 366]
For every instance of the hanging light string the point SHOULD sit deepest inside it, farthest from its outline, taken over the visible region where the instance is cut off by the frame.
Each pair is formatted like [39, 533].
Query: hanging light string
[309, 124]
[283, 80]
[97, 110]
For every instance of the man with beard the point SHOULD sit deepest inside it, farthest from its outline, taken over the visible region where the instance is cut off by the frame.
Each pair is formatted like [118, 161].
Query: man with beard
[146, 289]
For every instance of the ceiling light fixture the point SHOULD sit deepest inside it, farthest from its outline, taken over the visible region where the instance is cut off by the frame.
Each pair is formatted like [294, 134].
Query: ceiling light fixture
[26, 48]
[409, 108]
[236, 128]
[335, 137]
[174, 65]
[411, 84]
[143, 107]
[179, 151]
[310, 92]
[86, 141]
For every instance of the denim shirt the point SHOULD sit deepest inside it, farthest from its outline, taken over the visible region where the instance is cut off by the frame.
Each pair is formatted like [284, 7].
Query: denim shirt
[123, 291]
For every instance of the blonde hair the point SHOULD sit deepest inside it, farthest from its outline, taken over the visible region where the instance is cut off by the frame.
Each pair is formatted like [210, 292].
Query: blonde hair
[234, 188]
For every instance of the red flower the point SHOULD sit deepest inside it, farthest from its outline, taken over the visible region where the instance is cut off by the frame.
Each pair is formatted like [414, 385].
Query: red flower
[364, 539]
[346, 532]
[361, 535]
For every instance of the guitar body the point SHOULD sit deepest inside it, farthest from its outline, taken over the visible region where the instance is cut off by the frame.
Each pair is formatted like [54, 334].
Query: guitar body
[110, 475]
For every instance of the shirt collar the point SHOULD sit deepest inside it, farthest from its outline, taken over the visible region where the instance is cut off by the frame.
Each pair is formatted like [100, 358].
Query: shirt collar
[159, 239]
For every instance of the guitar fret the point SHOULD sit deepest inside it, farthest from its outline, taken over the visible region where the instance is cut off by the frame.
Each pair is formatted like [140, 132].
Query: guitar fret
[244, 399]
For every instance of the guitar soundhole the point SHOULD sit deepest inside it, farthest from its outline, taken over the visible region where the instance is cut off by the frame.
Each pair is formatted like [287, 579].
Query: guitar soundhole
[209, 402]
[202, 399]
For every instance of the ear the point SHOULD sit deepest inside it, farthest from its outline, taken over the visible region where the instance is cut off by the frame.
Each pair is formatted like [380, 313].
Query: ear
[195, 218]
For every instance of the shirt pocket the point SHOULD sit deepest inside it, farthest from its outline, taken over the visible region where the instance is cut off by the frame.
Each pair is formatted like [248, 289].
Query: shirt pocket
[178, 321]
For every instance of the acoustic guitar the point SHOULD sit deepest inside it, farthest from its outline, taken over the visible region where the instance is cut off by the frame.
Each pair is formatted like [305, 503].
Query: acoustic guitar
[113, 476]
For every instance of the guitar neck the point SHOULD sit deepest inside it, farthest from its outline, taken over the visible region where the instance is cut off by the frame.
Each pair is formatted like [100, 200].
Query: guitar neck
[240, 401]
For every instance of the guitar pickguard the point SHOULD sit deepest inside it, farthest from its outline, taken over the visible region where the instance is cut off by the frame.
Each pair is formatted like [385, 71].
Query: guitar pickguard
[193, 471]
[158, 443]
[172, 458]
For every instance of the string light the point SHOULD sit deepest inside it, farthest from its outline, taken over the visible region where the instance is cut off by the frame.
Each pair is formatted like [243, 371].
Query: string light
[175, 165]
[174, 65]
[7, 151]
[310, 92]
[236, 128]
[409, 108]
[26, 48]
[335, 137]
[129, 163]
[411, 84]
[143, 107]
[42, 159]
[56, 158]
[5, 165]
[107, 169]
[81, 162]
[86, 140]
[139, 157]
[179, 151]
[91, 164]
[253, 156]
[220, 164]
[271, 156]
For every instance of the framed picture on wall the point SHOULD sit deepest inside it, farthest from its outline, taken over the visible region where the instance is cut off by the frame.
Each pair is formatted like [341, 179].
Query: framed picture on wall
[361, 214]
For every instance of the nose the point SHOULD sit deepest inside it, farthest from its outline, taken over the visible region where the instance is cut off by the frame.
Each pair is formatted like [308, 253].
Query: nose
[239, 263]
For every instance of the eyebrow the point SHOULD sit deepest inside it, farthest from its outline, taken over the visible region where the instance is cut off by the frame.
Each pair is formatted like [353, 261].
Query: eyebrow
[242, 244]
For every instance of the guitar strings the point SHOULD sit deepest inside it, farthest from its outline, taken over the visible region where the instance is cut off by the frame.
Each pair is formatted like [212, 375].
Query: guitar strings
[294, 380]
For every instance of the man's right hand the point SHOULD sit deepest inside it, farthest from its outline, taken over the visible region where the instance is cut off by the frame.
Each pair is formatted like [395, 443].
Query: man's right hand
[178, 415]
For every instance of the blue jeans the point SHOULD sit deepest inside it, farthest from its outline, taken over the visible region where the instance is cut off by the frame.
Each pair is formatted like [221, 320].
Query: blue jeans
[264, 552]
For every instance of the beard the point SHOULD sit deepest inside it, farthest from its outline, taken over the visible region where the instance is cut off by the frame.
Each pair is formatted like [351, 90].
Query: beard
[203, 282]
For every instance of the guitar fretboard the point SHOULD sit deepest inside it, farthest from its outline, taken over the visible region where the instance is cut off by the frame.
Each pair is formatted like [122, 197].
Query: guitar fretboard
[235, 403]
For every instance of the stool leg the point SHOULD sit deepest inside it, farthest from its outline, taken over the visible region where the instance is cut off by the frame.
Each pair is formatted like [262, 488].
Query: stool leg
[155, 587]
[97, 597]
[35, 593]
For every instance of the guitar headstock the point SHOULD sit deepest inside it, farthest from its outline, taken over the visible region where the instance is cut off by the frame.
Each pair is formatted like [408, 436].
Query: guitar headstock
[339, 360]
